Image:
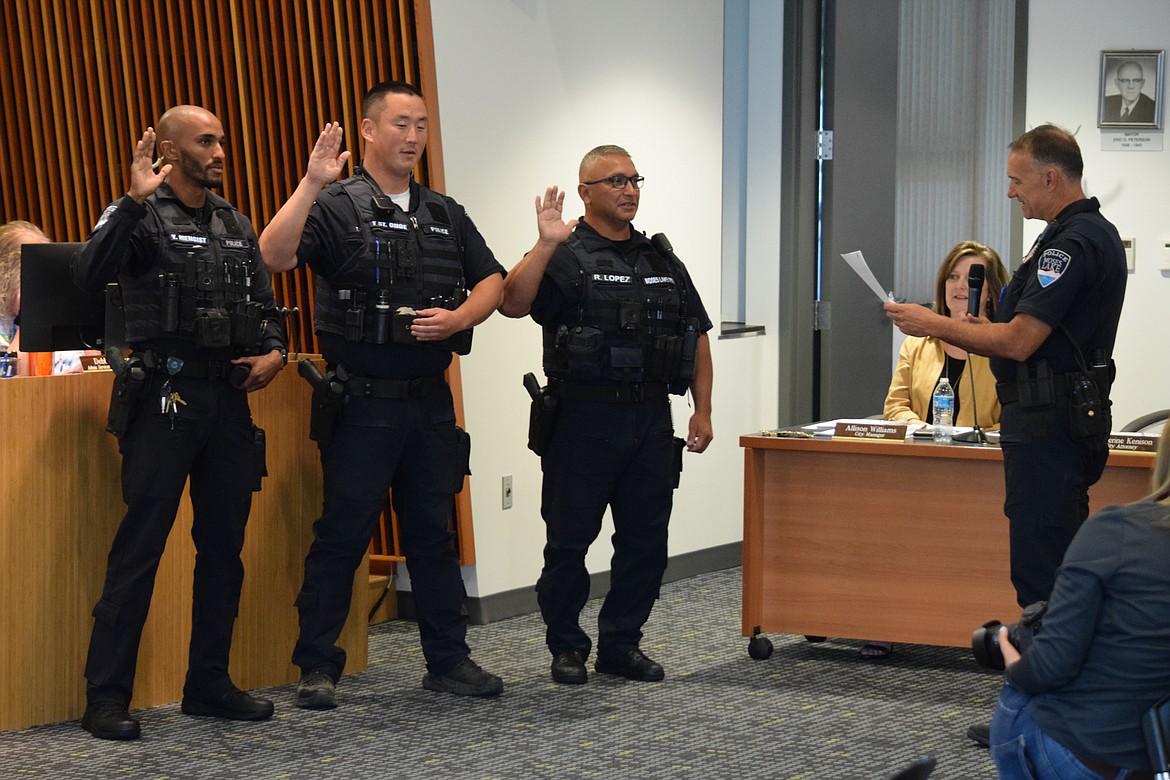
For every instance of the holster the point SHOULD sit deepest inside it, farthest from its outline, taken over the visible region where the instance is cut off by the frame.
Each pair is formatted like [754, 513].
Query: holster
[542, 414]
[131, 376]
[328, 391]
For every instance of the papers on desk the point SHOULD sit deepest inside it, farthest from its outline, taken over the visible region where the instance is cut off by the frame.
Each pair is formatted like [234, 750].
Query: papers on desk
[916, 430]
[825, 429]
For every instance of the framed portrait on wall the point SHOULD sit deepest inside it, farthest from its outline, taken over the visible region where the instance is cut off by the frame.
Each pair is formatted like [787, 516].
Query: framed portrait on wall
[1131, 88]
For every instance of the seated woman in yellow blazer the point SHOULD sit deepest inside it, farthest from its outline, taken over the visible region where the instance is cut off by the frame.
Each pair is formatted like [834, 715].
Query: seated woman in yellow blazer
[923, 360]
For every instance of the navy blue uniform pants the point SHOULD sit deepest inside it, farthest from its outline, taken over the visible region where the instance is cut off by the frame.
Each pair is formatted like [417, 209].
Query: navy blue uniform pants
[1047, 477]
[409, 447]
[210, 440]
[620, 455]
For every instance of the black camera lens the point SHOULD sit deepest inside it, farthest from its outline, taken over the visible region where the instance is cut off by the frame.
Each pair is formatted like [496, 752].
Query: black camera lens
[985, 639]
[985, 645]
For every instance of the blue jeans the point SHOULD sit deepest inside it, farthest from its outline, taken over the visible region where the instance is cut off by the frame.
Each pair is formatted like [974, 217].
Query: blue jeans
[1023, 752]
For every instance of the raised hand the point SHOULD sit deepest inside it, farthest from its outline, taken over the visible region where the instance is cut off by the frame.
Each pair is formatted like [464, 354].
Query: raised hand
[143, 178]
[553, 229]
[325, 164]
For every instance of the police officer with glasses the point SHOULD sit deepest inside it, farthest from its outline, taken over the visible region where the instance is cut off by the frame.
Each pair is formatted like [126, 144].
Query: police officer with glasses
[623, 327]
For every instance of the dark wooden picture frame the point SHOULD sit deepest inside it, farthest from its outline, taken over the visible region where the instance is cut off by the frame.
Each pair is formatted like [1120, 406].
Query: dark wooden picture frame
[1123, 71]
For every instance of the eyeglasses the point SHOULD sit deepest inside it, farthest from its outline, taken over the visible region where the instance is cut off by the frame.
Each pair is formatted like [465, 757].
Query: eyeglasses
[619, 181]
[1127, 82]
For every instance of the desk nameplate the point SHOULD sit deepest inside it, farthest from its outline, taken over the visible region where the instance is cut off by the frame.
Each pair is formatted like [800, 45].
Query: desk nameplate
[875, 431]
[1133, 442]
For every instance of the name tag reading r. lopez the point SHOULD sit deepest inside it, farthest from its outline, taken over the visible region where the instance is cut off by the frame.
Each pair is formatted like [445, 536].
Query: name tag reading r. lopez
[871, 431]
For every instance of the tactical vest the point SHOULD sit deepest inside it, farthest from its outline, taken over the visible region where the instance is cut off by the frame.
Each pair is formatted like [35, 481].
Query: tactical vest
[203, 283]
[396, 263]
[632, 325]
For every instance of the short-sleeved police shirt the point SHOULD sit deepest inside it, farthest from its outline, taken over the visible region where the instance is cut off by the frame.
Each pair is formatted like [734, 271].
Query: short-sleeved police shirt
[1074, 276]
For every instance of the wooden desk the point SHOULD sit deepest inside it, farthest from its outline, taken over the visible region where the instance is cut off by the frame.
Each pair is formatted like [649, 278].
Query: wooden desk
[62, 502]
[905, 542]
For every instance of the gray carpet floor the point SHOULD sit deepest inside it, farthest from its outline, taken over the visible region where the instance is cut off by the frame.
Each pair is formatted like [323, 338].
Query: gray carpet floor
[811, 711]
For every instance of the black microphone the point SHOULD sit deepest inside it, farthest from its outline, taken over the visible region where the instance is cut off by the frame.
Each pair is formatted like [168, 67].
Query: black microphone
[974, 288]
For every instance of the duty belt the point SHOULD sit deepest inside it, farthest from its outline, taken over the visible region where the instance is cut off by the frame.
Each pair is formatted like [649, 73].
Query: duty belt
[367, 387]
[1009, 392]
[617, 394]
[199, 369]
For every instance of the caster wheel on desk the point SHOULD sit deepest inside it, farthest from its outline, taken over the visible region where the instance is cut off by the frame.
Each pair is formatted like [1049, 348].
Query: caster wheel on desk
[760, 647]
[815, 639]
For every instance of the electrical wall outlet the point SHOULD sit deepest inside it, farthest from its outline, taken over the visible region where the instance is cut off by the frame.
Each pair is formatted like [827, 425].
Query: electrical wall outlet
[1129, 252]
[506, 492]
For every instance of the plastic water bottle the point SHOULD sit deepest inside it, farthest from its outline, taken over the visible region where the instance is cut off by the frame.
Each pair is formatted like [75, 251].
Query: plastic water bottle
[943, 411]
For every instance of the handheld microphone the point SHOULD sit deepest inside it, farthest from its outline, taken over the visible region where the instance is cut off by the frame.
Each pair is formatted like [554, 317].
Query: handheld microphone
[974, 288]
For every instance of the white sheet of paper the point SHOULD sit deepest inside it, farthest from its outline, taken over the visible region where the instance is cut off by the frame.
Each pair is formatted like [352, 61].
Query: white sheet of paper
[827, 427]
[857, 263]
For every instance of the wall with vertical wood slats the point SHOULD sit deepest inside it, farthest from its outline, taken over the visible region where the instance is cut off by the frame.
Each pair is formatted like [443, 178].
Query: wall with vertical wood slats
[80, 80]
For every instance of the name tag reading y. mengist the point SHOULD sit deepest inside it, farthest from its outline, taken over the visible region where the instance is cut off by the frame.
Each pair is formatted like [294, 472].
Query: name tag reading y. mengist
[872, 431]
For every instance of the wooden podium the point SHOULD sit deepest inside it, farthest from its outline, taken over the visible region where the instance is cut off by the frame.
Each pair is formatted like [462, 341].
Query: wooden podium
[62, 502]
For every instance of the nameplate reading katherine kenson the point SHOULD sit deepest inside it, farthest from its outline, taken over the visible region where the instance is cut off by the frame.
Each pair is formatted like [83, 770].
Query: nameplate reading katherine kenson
[874, 431]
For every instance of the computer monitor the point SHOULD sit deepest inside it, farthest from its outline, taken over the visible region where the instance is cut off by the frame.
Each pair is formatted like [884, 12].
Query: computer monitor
[55, 314]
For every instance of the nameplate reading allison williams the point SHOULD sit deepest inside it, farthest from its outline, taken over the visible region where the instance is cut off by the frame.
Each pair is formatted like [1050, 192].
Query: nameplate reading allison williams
[1133, 442]
[875, 431]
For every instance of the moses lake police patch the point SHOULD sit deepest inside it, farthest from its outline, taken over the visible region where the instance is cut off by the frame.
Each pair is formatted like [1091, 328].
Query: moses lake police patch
[1052, 264]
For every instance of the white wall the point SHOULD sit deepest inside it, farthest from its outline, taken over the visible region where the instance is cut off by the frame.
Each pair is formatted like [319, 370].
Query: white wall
[1065, 42]
[525, 89]
[527, 86]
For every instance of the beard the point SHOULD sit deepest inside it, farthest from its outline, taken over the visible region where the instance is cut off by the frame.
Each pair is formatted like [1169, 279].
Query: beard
[205, 175]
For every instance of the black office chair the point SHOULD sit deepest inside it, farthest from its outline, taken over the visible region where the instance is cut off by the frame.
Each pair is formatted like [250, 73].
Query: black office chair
[1156, 725]
[1148, 423]
[919, 770]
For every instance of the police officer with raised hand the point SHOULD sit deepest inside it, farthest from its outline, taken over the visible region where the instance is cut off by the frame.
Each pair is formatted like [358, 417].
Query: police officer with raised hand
[623, 327]
[1051, 349]
[402, 275]
[204, 329]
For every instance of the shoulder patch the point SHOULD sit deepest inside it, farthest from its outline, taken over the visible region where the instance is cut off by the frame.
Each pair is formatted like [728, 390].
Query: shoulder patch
[105, 217]
[1051, 266]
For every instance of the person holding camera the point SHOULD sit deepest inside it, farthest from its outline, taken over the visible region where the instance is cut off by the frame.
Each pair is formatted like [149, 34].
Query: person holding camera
[205, 330]
[1074, 697]
[623, 327]
[402, 275]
